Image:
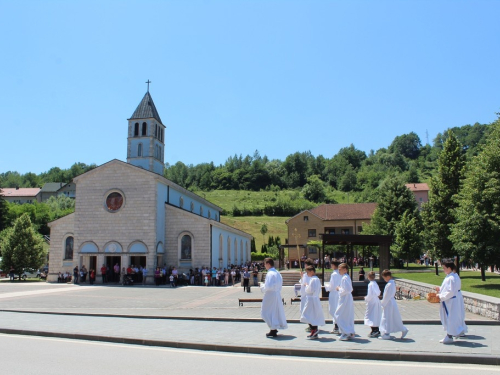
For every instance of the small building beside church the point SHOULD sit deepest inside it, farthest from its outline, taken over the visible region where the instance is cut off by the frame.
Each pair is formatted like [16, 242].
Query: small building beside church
[327, 219]
[128, 213]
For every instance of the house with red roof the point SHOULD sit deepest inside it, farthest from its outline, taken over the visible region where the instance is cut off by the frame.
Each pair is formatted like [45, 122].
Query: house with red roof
[420, 191]
[20, 195]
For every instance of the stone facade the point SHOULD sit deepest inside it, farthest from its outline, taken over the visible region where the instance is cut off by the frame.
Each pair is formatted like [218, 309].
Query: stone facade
[146, 230]
[187, 223]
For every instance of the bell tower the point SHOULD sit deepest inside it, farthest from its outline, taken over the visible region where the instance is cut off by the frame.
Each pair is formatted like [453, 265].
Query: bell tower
[145, 142]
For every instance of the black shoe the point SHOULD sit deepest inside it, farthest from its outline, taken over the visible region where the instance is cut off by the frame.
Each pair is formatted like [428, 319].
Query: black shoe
[272, 333]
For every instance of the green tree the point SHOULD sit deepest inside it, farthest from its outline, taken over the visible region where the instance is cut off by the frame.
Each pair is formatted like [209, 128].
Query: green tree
[407, 145]
[477, 230]
[252, 246]
[22, 247]
[263, 231]
[439, 213]
[348, 181]
[408, 237]
[394, 200]
[314, 190]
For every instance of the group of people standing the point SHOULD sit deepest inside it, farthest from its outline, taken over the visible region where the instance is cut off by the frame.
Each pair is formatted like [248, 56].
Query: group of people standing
[381, 315]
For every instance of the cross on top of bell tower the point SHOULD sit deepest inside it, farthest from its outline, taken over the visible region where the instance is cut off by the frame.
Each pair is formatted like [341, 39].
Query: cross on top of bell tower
[148, 82]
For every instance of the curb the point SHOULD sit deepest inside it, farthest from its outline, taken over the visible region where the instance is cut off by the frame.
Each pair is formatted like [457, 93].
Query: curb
[317, 353]
[216, 319]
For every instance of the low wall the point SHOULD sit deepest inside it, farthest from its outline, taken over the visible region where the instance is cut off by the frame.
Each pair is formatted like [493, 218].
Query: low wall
[480, 304]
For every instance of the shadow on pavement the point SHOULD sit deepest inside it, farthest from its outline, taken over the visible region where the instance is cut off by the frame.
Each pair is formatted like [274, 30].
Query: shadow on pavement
[473, 337]
[284, 338]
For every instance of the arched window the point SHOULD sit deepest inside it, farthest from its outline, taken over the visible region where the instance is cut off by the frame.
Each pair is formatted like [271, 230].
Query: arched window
[201, 210]
[144, 128]
[181, 202]
[236, 252]
[192, 207]
[136, 129]
[186, 247]
[68, 248]
[156, 130]
[228, 251]
[209, 214]
[156, 151]
[139, 149]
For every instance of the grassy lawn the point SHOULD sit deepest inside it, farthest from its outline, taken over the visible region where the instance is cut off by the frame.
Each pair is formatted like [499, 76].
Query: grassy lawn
[251, 224]
[471, 281]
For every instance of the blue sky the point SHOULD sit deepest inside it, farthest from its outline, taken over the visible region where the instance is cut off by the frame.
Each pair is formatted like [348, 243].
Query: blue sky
[230, 77]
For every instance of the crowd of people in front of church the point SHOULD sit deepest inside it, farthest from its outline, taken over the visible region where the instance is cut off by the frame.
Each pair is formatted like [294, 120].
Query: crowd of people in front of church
[164, 275]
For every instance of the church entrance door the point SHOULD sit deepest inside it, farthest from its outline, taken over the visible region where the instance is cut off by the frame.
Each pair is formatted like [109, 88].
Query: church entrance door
[111, 261]
[138, 260]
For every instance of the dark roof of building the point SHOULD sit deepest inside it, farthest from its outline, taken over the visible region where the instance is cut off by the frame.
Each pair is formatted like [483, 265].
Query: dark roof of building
[52, 187]
[146, 109]
[344, 211]
[418, 187]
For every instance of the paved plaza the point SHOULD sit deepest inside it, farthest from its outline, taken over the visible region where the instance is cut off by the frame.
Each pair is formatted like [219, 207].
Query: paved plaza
[210, 318]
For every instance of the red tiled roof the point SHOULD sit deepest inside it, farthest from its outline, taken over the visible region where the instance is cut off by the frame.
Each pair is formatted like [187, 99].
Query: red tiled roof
[418, 187]
[351, 211]
[21, 192]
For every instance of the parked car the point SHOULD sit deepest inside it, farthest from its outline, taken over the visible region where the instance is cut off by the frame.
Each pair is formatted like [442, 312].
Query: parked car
[30, 273]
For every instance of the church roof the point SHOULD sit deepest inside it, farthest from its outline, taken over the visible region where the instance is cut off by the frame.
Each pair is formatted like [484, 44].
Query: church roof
[146, 109]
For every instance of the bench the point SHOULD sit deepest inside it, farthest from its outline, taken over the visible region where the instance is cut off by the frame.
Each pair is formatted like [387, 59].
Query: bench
[297, 299]
[247, 300]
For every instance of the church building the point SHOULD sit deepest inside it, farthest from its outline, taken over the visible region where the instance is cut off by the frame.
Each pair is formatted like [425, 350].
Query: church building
[128, 213]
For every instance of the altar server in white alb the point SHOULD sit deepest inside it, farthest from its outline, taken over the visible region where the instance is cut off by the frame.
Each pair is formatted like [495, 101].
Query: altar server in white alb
[373, 307]
[344, 315]
[333, 297]
[391, 318]
[461, 303]
[272, 310]
[450, 311]
[313, 311]
[304, 280]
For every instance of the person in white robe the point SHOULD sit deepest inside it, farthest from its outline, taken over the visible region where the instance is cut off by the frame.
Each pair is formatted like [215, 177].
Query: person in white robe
[391, 318]
[313, 311]
[344, 315]
[450, 310]
[333, 297]
[272, 310]
[304, 279]
[461, 303]
[373, 307]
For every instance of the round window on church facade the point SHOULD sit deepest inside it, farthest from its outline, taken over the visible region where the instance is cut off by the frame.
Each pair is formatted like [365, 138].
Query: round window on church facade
[114, 201]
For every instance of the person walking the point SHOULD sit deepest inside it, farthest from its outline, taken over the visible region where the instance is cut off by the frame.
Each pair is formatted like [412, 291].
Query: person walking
[450, 310]
[272, 311]
[313, 312]
[333, 296]
[344, 315]
[391, 318]
[373, 307]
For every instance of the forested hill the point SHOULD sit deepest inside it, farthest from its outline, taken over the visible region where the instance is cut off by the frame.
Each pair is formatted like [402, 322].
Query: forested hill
[350, 170]
[319, 178]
